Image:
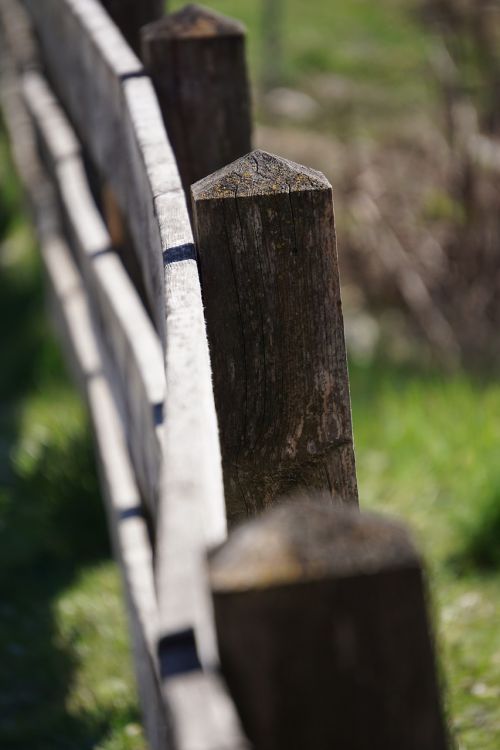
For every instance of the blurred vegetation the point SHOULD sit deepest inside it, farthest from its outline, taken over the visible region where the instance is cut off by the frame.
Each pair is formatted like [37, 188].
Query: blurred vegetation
[374, 49]
[362, 40]
[427, 449]
[468, 66]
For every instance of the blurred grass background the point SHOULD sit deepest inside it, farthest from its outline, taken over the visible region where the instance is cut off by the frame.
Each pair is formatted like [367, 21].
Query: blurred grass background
[427, 443]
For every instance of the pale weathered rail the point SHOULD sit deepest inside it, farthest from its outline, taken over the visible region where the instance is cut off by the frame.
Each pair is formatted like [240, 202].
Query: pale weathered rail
[131, 343]
[72, 317]
[113, 106]
[103, 86]
[194, 517]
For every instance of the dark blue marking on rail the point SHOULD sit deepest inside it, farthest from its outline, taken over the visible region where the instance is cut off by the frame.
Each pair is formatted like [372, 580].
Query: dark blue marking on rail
[158, 414]
[178, 654]
[181, 252]
[103, 251]
[134, 512]
[133, 74]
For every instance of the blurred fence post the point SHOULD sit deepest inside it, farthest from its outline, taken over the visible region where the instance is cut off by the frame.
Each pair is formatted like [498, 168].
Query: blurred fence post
[270, 283]
[196, 59]
[131, 15]
[323, 632]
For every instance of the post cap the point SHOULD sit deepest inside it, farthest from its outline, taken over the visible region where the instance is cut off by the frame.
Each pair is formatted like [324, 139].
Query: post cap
[305, 540]
[192, 22]
[259, 173]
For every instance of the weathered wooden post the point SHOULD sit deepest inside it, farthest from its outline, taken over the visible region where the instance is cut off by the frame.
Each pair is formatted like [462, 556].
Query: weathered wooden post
[323, 632]
[268, 265]
[196, 59]
[131, 15]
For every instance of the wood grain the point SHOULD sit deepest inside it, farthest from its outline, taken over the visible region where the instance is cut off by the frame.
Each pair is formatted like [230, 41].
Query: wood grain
[131, 543]
[192, 498]
[131, 343]
[93, 72]
[116, 114]
[196, 59]
[183, 708]
[18, 36]
[69, 305]
[268, 266]
[323, 632]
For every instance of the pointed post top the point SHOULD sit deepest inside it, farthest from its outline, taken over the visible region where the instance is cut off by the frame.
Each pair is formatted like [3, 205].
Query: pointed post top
[193, 22]
[259, 173]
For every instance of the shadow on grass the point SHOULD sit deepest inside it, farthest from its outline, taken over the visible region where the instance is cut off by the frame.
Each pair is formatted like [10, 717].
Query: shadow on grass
[52, 522]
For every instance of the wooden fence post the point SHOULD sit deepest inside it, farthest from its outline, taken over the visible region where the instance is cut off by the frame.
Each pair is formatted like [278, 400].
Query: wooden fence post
[131, 15]
[323, 633]
[196, 59]
[270, 283]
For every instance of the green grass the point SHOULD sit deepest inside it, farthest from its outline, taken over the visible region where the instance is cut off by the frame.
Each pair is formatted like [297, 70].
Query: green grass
[357, 38]
[374, 43]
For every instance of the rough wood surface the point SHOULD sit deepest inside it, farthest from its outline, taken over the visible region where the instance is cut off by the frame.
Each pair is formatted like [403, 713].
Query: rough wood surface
[131, 15]
[69, 305]
[196, 59]
[192, 500]
[115, 111]
[117, 116]
[112, 105]
[131, 342]
[120, 235]
[268, 267]
[184, 707]
[17, 121]
[131, 543]
[18, 35]
[205, 715]
[323, 632]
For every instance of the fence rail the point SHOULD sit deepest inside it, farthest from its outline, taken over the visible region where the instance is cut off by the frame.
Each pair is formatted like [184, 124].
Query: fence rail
[71, 312]
[86, 127]
[127, 333]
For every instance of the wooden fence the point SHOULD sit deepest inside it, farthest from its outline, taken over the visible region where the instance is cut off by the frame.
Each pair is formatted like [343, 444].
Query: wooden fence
[307, 628]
